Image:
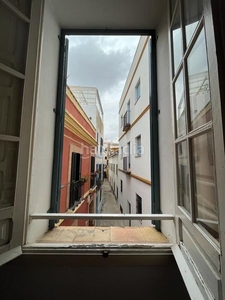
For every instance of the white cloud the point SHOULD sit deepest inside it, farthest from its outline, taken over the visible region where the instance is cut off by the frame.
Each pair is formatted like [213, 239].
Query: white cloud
[102, 62]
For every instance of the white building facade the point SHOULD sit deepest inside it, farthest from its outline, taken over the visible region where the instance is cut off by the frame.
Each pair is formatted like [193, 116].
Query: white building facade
[134, 142]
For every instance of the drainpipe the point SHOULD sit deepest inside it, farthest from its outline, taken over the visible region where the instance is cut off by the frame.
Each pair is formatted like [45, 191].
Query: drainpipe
[59, 129]
[154, 141]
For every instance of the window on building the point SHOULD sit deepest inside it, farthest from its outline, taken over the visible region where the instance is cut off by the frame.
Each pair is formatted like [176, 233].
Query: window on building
[121, 121]
[101, 146]
[97, 142]
[129, 211]
[138, 204]
[138, 91]
[138, 146]
[121, 186]
[128, 155]
[121, 153]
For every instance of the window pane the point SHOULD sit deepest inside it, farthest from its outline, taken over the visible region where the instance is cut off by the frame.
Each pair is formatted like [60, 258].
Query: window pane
[180, 105]
[11, 96]
[192, 13]
[204, 183]
[8, 168]
[199, 88]
[183, 176]
[177, 40]
[13, 41]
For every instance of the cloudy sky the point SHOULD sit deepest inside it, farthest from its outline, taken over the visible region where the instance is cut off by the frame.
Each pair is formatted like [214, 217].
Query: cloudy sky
[102, 62]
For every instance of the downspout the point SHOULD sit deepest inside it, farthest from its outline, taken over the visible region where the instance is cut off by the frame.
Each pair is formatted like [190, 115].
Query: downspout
[154, 140]
[59, 129]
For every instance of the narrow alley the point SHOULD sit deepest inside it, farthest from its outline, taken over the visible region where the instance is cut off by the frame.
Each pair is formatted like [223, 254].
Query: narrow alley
[109, 206]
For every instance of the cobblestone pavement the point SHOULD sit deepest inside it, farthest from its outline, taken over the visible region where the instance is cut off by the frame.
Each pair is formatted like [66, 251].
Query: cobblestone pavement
[109, 206]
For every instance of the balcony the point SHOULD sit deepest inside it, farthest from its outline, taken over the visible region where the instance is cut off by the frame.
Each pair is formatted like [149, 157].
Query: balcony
[76, 191]
[126, 120]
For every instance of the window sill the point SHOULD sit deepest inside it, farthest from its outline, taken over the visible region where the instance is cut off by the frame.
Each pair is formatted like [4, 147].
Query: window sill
[74, 237]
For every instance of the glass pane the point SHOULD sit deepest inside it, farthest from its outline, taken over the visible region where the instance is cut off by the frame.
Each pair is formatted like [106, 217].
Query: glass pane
[199, 88]
[183, 175]
[23, 5]
[8, 168]
[177, 40]
[13, 40]
[180, 105]
[11, 96]
[204, 183]
[192, 14]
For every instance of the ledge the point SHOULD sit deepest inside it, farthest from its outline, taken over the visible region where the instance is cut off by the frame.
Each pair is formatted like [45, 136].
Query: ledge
[100, 236]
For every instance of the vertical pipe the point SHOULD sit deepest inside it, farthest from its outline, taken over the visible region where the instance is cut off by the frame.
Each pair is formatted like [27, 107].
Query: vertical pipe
[154, 140]
[59, 128]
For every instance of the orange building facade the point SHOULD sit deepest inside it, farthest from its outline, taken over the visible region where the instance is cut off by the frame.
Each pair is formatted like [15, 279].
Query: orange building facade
[78, 152]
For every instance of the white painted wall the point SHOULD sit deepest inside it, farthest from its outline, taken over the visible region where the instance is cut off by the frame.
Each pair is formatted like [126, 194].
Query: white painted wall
[140, 166]
[131, 187]
[41, 176]
[166, 148]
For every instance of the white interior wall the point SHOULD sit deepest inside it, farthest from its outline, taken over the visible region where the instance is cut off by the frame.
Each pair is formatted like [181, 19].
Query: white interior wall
[40, 190]
[166, 148]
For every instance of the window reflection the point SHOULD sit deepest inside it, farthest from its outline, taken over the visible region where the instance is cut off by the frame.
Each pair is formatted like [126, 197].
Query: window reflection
[183, 174]
[199, 88]
[192, 13]
[177, 40]
[180, 105]
[204, 183]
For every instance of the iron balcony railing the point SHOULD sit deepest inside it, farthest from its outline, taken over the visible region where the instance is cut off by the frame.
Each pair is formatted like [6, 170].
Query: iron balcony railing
[126, 120]
[76, 191]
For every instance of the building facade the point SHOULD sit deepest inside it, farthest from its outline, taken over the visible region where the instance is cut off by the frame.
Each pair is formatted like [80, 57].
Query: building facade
[90, 101]
[78, 145]
[134, 131]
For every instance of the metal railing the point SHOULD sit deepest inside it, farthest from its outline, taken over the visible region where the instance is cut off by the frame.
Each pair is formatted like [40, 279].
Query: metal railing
[53, 216]
[76, 191]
